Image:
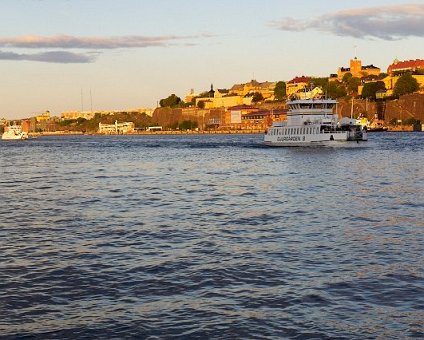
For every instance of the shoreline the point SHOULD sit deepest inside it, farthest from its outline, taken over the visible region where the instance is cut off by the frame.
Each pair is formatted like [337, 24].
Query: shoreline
[191, 132]
[205, 132]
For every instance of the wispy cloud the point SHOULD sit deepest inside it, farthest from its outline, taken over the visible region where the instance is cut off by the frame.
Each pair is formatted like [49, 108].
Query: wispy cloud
[386, 22]
[68, 42]
[62, 57]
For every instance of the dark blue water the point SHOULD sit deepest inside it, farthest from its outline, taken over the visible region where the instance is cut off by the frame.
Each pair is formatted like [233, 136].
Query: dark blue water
[211, 237]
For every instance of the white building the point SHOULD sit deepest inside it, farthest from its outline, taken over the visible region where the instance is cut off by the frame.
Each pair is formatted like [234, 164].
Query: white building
[117, 128]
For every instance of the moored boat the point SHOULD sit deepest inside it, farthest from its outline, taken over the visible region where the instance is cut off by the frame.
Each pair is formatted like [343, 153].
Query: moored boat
[14, 132]
[314, 122]
[376, 125]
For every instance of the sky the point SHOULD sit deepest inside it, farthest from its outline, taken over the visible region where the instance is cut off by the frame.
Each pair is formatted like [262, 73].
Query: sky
[73, 55]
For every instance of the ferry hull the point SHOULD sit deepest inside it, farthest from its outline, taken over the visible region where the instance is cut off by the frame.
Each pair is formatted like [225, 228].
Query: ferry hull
[322, 139]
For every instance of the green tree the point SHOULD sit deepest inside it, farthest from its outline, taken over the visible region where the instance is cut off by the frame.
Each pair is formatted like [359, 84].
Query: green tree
[370, 89]
[335, 90]
[257, 97]
[352, 84]
[405, 84]
[321, 82]
[411, 121]
[394, 121]
[188, 125]
[280, 90]
[171, 101]
[346, 77]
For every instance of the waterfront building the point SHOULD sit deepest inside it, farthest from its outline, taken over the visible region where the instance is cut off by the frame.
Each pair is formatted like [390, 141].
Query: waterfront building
[117, 128]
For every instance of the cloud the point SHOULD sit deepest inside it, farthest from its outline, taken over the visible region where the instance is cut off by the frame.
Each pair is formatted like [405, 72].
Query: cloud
[71, 42]
[62, 57]
[67, 42]
[386, 22]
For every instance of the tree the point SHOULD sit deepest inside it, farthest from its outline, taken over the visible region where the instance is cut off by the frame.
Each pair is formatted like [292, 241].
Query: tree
[335, 90]
[370, 89]
[352, 84]
[411, 121]
[188, 125]
[405, 84]
[171, 101]
[280, 90]
[257, 97]
[321, 82]
[346, 77]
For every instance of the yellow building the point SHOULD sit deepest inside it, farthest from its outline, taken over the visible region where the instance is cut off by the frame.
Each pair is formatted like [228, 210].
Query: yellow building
[77, 114]
[219, 98]
[357, 70]
[266, 89]
[390, 82]
[296, 84]
[43, 117]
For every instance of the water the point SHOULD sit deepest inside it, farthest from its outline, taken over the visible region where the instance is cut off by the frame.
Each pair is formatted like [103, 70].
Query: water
[214, 236]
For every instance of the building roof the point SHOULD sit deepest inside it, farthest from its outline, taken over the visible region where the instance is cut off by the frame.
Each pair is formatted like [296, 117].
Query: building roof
[370, 67]
[405, 65]
[262, 113]
[302, 79]
[242, 107]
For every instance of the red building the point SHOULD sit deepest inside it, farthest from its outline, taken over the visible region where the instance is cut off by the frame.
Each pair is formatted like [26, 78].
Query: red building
[407, 65]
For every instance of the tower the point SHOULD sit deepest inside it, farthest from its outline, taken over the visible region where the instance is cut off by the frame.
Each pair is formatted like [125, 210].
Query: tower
[212, 92]
[355, 67]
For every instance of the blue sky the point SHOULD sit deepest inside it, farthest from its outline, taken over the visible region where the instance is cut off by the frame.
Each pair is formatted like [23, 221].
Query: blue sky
[131, 53]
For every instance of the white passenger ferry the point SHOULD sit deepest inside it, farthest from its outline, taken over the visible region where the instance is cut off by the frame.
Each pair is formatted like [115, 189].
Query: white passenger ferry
[14, 132]
[314, 122]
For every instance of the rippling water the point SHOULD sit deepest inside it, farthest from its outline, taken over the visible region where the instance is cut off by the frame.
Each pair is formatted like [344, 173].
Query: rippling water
[211, 236]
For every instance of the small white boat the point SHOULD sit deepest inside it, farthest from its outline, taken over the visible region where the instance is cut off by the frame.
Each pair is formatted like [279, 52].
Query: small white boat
[376, 125]
[14, 132]
[314, 122]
